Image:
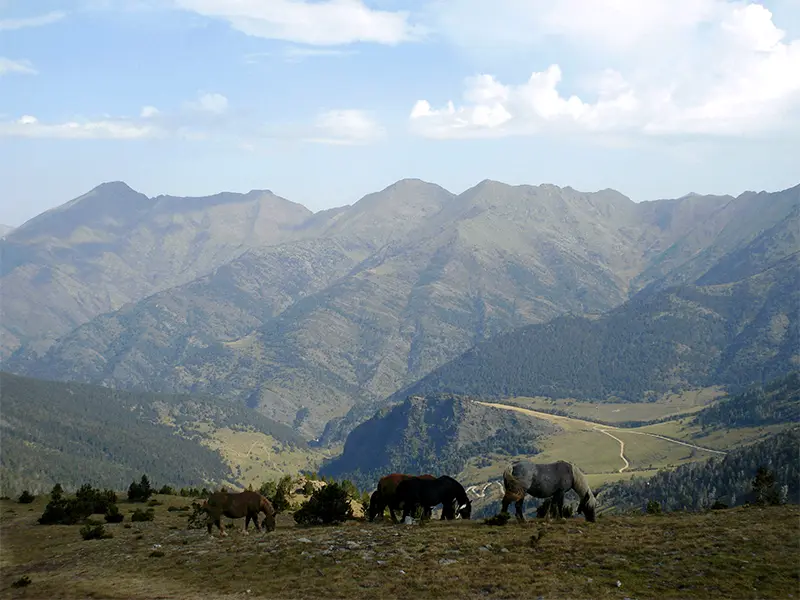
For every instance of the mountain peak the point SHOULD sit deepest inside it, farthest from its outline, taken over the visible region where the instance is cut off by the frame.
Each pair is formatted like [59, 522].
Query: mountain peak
[113, 186]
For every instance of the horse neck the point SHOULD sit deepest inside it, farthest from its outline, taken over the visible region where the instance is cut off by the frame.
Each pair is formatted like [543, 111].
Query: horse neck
[579, 484]
[461, 495]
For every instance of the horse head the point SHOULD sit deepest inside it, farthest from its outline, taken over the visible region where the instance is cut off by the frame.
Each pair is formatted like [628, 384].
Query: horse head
[374, 500]
[269, 514]
[587, 507]
[465, 510]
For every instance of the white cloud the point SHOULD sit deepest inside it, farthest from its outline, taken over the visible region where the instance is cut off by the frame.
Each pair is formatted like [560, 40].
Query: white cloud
[38, 21]
[31, 127]
[346, 127]
[689, 67]
[296, 54]
[323, 23]
[23, 67]
[148, 112]
[216, 104]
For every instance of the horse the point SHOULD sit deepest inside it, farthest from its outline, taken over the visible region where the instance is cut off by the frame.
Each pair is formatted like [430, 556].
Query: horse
[245, 504]
[427, 493]
[546, 480]
[384, 495]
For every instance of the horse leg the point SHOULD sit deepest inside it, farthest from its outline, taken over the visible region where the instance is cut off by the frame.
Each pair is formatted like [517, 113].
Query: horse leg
[222, 532]
[246, 524]
[518, 505]
[558, 499]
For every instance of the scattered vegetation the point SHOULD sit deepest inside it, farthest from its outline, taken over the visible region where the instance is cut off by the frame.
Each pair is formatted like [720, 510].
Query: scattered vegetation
[68, 511]
[26, 497]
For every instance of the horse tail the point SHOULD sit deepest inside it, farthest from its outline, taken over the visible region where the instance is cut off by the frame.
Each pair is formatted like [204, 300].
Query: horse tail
[588, 502]
[515, 491]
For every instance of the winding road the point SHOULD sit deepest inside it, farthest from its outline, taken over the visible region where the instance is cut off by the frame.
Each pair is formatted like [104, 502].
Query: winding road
[599, 427]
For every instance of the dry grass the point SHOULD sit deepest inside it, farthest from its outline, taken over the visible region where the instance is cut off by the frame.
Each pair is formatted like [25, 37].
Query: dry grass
[260, 457]
[616, 412]
[739, 553]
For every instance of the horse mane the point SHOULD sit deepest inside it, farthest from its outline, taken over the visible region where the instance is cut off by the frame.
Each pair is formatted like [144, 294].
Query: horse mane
[461, 493]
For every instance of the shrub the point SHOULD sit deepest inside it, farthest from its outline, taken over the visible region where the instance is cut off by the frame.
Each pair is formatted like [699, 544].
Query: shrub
[719, 505]
[95, 500]
[141, 491]
[197, 519]
[177, 508]
[94, 531]
[764, 488]
[653, 507]
[167, 490]
[308, 488]
[22, 582]
[330, 504]
[113, 515]
[143, 515]
[278, 493]
[154, 502]
[26, 497]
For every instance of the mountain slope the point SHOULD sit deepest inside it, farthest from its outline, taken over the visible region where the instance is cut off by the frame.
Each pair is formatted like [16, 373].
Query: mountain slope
[432, 435]
[401, 282]
[113, 245]
[72, 433]
[690, 335]
[451, 272]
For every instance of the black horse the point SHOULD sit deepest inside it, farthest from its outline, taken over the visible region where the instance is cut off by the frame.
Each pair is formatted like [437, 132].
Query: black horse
[427, 493]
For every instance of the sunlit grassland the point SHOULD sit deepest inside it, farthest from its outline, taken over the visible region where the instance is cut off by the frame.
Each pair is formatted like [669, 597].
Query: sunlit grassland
[742, 552]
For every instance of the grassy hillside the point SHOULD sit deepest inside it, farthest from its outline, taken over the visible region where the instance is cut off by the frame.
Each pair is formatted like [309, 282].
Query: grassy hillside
[71, 433]
[718, 554]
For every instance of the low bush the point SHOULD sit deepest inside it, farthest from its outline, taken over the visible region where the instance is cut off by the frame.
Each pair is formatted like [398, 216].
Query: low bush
[95, 531]
[330, 504]
[26, 497]
[113, 515]
[143, 515]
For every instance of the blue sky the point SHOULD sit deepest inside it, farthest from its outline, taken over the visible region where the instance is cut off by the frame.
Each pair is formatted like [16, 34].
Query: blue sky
[325, 101]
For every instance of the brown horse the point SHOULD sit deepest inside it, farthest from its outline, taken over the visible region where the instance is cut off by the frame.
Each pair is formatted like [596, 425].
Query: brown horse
[245, 504]
[385, 494]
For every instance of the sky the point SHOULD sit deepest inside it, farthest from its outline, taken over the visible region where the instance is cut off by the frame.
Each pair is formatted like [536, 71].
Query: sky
[325, 101]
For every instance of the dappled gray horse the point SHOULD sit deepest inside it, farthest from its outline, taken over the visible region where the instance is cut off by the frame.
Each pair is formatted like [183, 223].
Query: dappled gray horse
[547, 480]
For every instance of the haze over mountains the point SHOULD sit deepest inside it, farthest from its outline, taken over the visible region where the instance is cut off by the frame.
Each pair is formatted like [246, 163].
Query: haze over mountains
[307, 317]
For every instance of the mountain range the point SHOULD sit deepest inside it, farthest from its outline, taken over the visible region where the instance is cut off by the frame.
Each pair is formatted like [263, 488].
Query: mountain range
[316, 319]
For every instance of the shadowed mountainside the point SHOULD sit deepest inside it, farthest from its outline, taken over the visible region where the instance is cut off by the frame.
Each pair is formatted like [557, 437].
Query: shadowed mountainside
[433, 435]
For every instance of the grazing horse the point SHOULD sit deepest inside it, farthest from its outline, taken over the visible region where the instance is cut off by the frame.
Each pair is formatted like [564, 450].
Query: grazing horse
[245, 504]
[385, 494]
[545, 481]
[427, 493]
